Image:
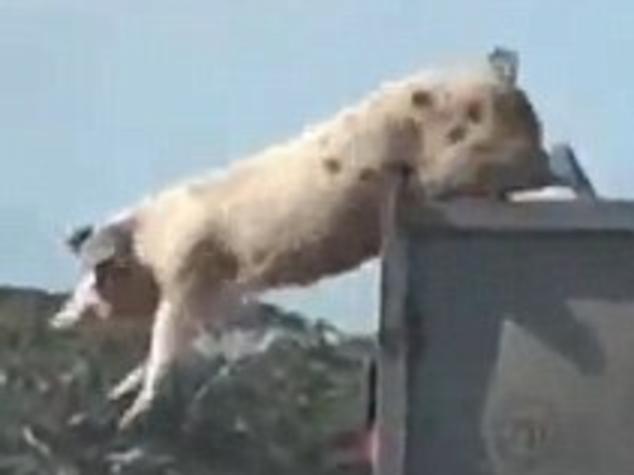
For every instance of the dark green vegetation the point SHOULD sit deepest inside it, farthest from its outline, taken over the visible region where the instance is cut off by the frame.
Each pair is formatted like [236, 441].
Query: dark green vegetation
[286, 410]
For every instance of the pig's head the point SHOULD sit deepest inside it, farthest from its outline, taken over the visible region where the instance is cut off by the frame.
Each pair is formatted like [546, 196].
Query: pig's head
[477, 133]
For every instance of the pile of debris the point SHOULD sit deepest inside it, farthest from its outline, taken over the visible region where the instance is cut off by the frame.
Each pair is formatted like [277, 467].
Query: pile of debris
[293, 406]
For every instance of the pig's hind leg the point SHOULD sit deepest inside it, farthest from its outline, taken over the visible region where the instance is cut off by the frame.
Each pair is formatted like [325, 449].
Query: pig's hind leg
[172, 333]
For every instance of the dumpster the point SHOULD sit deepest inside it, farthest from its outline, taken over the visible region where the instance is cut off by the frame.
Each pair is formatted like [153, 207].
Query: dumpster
[507, 338]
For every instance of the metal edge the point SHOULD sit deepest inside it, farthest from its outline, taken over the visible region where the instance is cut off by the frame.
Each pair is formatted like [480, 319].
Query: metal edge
[392, 354]
[577, 216]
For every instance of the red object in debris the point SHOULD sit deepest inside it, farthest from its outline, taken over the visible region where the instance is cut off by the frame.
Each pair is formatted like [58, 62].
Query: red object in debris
[355, 448]
[372, 445]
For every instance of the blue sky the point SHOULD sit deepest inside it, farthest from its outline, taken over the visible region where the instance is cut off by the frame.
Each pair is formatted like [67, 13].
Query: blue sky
[102, 102]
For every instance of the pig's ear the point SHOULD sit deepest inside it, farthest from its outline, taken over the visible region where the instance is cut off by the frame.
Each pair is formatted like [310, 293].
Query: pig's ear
[76, 238]
[504, 64]
[104, 244]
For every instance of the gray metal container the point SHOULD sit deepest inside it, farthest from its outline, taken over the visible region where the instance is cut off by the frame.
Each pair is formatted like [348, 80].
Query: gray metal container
[507, 339]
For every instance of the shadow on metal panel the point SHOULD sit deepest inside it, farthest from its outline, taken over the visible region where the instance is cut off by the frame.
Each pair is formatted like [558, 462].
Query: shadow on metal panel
[508, 340]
